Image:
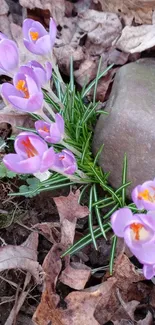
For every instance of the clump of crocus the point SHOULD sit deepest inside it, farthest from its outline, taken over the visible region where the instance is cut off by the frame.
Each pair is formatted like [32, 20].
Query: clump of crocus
[144, 196]
[24, 94]
[52, 132]
[32, 155]
[138, 231]
[9, 56]
[36, 39]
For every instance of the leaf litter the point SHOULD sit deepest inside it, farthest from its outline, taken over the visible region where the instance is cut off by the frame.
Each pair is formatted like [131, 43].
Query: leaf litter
[125, 28]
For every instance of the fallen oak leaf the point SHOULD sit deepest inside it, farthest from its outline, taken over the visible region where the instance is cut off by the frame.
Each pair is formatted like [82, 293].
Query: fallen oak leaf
[49, 230]
[76, 275]
[22, 257]
[69, 211]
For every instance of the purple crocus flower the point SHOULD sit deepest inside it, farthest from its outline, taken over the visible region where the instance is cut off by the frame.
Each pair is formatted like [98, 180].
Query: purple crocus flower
[9, 56]
[144, 195]
[65, 163]
[36, 39]
[24, 94]
[40, 74]
[32, 155]
[138, 231]
[52, 132]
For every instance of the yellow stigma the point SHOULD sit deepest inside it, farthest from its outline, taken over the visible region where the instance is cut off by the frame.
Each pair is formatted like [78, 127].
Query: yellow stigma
[21, 86]
[34, 36]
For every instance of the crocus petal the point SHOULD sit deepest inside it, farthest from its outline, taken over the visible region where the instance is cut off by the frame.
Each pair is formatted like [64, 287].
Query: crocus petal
[19, 102]
[60, 122]
[31, 85]
[149, 271]
[27, 24]
[9, 56]
[52, 31]
[26, 70]
[14, 163]
[145, 253]
[48, 159]
[38, 27]
[31, 47]
[38, 143]
[149, 219]
[3, 36]
[43, 45]
[120, 219]
[35, 102]
[48, 67]
[8, 89]
[139, 203]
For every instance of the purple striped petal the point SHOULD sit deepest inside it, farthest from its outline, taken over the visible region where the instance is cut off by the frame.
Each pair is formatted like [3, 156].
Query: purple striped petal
[35, 102]
[8, 89]
[27, 24]
[145, 253]
[43, 128]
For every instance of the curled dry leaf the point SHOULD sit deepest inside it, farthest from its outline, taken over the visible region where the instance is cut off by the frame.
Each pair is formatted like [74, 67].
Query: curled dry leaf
[56, 7]
[76, 275]
[15, 118]
[136, 39]
[140, 10]
[80, 306]
[69, 211]
[22, 257]
[49, 230]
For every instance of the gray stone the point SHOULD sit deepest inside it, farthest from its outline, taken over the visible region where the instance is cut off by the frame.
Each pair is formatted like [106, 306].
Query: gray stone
[130, 126]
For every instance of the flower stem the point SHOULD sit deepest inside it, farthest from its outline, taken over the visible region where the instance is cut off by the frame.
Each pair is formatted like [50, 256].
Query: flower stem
[43, 115]
[49, 109]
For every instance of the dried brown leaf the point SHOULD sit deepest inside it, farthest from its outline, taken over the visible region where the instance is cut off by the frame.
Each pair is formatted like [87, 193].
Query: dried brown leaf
[76, 275]
[15, 118]
[140, 10]
[56, 7]
[69, 211]
[80, 306]
[22, 257]
[49, 231]
[136, 39]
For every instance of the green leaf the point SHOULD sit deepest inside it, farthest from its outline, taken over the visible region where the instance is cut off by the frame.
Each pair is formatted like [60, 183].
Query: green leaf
[10, 174]
[2, 171]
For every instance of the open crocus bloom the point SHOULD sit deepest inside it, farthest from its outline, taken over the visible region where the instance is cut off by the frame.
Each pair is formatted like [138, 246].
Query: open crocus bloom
[24, 94]
[32, 155]
[36, 39]
[144, 195]
[9, 56]
[65, 162]
[52, 132]
[138, 231]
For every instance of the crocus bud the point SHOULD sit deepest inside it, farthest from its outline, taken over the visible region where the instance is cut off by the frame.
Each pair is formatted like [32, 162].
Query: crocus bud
[36, 39]
[43, 74]
[9, 56]
[52, 132]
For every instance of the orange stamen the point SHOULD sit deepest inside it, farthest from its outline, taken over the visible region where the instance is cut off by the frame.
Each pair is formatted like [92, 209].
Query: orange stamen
[34, 36]
[29, 148]
[144, 195]
[136, 227]
[21, 86]
[44, 128]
